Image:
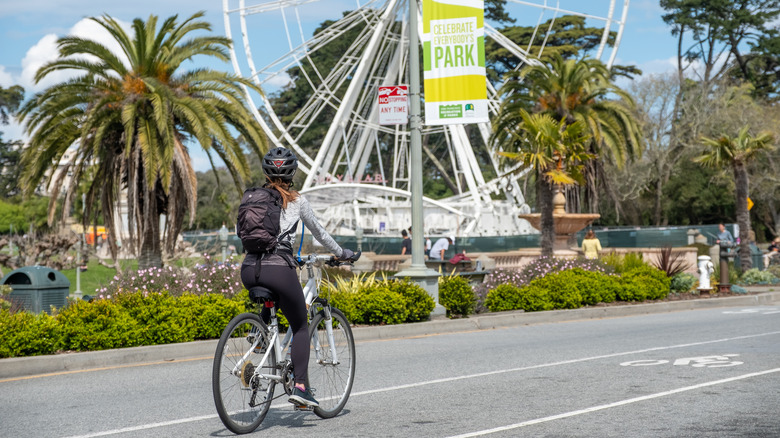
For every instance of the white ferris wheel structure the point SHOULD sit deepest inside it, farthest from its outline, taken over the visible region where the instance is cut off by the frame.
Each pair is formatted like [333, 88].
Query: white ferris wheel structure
[349, 179]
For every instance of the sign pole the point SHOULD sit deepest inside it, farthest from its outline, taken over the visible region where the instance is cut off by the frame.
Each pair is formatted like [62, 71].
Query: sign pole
[427, 278]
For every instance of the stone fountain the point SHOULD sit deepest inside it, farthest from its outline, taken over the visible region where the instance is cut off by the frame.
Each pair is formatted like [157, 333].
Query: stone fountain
[566, 224]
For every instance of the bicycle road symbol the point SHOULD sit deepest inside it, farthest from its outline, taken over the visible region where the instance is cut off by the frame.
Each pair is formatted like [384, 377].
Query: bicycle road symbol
[696, 362]
[762, 311]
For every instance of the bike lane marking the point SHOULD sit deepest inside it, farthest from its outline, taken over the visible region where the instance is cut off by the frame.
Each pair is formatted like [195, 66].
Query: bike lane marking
[613, 405]
[437, 381]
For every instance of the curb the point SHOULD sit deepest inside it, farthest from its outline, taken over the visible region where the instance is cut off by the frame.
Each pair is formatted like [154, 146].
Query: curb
[27, 367]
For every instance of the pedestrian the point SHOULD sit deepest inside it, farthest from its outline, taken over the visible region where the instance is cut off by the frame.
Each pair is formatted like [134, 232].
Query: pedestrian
[591, 245]
[277, 270]
[428, 247]
[441, 245]
[773, 254]
[724, 235]
[406, 244]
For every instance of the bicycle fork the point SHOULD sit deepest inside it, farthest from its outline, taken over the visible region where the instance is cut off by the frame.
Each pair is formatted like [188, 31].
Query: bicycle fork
[331, 341]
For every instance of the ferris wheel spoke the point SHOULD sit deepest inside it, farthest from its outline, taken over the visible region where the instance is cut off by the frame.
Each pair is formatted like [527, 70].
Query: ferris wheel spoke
[333, 100]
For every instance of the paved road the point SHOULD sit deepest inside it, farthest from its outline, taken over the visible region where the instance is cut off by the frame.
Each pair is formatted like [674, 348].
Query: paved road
[713, 372]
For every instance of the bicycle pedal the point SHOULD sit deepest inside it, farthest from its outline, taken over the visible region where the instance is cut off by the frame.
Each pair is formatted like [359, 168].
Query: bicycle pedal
[303, 408]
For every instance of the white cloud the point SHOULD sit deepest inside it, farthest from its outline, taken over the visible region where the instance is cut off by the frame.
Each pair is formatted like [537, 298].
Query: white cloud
[45, 50]
[6, 79]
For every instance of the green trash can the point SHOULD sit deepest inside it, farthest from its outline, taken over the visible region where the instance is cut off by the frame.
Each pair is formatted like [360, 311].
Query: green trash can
[37, 288]
[756, 257]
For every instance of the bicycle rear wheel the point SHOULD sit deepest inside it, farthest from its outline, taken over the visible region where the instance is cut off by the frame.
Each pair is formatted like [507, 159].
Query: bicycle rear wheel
[242, 399]
[331, 380]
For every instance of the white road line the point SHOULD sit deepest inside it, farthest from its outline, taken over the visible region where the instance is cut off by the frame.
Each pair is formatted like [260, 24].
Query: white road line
[437, 381]
[613, 405]
[553, 364]
[147, 426]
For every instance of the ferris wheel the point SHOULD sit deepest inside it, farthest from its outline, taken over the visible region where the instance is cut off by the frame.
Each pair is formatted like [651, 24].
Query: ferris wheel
[320, 64]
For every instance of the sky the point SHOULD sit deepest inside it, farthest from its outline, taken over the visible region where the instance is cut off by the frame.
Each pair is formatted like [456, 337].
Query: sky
[29, 30]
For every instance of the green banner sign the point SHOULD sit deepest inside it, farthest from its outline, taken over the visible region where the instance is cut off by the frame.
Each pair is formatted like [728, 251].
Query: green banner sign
[454, 53]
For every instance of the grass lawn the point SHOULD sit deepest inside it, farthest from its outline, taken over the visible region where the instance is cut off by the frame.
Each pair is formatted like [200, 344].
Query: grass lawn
[97, 276]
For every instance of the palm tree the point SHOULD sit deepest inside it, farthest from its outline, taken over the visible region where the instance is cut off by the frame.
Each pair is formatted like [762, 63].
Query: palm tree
[737, 152]
[130, 116]
[580, 90]
[553, 149]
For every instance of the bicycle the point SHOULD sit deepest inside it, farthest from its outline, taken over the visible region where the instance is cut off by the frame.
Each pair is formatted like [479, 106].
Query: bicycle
[246, 371]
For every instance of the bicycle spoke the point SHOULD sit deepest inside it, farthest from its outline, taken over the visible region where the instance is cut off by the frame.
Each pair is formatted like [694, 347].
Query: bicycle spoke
[331, 382]
[242, 398]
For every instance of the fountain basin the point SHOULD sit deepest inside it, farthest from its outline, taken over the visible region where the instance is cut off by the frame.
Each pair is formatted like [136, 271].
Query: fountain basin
[566, 226]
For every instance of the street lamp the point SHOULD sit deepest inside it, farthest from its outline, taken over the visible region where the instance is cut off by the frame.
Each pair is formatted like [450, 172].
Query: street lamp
[223, 235]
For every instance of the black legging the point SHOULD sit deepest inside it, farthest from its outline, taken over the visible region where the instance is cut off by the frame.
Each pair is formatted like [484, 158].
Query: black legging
[283, 281]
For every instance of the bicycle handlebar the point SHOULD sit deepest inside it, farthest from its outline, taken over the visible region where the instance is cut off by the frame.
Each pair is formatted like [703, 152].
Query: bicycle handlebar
[329, 260]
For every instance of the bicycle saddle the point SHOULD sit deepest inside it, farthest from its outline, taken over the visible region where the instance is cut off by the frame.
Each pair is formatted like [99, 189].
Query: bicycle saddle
[260, 294]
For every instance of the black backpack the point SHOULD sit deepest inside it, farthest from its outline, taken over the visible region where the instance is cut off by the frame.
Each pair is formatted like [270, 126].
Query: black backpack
[258, 220]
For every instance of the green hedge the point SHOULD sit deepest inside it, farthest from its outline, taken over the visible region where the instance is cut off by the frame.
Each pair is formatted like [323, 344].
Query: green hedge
[128, 320]
[149, 318]
[576, 287]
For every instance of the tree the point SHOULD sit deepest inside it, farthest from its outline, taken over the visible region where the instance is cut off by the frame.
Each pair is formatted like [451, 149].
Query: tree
[580, 90]
[737, 152]
[129, 118]
[718, 31]
[568, 36]
[10, 98]
[554, 149]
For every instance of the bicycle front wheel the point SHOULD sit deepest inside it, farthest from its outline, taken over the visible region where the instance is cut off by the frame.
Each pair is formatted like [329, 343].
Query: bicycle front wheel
[331, 362]
[241, 395]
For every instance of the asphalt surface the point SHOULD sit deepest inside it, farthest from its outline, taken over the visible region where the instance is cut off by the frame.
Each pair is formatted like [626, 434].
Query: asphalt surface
[30, 366]
[656, 370]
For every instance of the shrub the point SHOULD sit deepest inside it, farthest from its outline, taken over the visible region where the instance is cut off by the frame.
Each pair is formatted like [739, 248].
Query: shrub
[509, 297]
[209, 277]
[682, 283]
[562, 291]
[209, 313]
[379, 305]
[623, 263]
[346, 302]
[215, 277]
[594, 287]
[456, 296]
[671, 262]
[644, 283]
[27, 334]
[545, 265]
[97, 325]
[774, 269]
[161, 318]
[492, 280]
[419, 303]
[503, 297]
[754, 276]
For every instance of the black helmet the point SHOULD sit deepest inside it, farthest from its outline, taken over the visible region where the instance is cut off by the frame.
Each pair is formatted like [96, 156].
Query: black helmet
[280, 163]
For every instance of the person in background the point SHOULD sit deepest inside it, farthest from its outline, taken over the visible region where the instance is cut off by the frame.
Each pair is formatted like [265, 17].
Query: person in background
[591, 245]
[441, 245]
[406, 244]
[724, 235]
[774, 252]
[428, 247]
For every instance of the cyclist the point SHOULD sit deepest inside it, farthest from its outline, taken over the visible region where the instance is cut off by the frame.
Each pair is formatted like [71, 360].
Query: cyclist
[276, 271]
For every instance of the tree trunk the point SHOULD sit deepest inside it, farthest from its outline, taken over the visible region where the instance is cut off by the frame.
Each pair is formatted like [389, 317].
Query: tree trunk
[743, 215]
[150, 254]
[546, 210]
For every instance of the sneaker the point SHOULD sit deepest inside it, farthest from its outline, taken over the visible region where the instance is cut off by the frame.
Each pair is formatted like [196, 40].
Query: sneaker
[299, 397]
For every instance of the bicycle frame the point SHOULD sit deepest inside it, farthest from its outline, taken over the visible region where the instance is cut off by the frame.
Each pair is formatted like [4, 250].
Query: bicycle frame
[311, 292]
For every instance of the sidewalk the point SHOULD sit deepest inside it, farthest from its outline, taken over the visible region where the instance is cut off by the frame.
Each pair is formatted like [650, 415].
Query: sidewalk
[199, 350]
